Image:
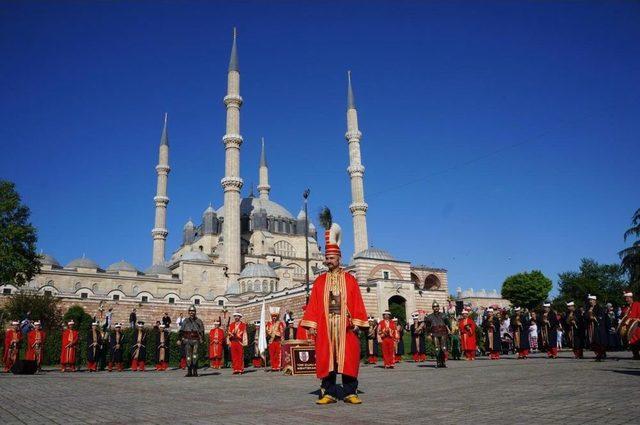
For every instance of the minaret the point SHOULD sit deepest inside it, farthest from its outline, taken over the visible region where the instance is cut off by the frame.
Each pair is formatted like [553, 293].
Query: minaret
[161, 199]
[232, 183]
[358, 206]
[263, 182]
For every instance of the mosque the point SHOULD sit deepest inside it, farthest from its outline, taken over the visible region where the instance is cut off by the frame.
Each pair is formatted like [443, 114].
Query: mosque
[248, 250]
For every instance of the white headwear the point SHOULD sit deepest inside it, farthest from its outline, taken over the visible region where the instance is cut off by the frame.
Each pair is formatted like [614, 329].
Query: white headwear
[570, 304]
[517, 309]
[546, 305]
[36, 323]
[628, 294]
[592, 297]
[386, 312]
[274, 311]
[14, 323]
[237, 313]
[95, 324]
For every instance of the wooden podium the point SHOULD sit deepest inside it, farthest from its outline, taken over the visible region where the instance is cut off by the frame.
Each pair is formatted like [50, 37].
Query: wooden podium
[298, 357]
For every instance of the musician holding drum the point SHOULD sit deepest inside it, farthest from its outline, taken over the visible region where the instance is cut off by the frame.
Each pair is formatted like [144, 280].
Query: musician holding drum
[35, 344]
[12, 340]
[629, 327]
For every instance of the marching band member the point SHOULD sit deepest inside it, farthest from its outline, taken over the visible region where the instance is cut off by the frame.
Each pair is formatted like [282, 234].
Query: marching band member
[631, 324]
[399, 342]
[237, 340]
[116, 341]
[12, 340]
[387, 339]
[139, 348]
[520, 330]
[491, 328]
[417, 330]
[35, 344]
[257, 356]
[94, 341]
[574, 330]
[548, 329]
[275, 330]
[467, 328]
[372, 341]
[216, 345]
[69, 343]
[162, 347]
[597, 328]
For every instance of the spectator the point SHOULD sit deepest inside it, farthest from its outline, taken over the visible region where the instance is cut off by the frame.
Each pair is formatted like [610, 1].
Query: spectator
[133, 319]
[533, 333]
[180, 320]
[108, 319]
[166, 320]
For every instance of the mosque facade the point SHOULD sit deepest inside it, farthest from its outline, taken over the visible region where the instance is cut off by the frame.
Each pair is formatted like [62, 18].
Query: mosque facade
[247, 250]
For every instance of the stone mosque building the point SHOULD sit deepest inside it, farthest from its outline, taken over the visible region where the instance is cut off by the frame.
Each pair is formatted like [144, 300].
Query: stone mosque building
[249, 249]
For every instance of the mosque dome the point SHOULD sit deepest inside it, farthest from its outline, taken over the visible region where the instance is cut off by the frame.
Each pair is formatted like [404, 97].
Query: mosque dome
[195, 255]
[123, 266]
[48, 260]
[209, 210]
[258, 270]
[250, 205]
[375, 254]
[85, 263]
[157, 269]
[189, 225]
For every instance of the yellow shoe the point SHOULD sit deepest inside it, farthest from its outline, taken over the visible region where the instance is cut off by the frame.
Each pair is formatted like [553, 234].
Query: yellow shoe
[352, 399]
[326, 399]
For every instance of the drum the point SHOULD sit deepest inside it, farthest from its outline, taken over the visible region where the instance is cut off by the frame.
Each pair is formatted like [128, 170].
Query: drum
[627, 327]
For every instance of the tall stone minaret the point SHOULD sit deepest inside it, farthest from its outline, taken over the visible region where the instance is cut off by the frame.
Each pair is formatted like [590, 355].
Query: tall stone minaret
[358, 206]
[232, 183]
[263, 182]
[161, 199]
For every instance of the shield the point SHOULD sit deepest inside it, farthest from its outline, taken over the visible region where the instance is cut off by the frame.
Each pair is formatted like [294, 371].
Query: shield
[303, 356]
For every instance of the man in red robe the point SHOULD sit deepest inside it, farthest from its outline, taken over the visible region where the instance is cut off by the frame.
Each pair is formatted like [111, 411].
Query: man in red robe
[633, 316]
[216, 347]
[35, 344]
[237, 340]
[275, 331]
[12, 340]
[467, 327]
[335, 314]
[387, 338]
[69, 345]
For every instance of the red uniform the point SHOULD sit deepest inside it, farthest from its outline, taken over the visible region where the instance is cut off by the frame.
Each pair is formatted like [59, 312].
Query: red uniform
[11, 348]
[275, 330]
[634, 313]
[468, 337]
[35, 344]
[68, 353]
[387, 332]
[216, 349]
[237, 338]
[352, 313]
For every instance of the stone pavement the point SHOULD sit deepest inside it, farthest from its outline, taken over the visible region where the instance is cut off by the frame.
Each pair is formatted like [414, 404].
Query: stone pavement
[507, 391]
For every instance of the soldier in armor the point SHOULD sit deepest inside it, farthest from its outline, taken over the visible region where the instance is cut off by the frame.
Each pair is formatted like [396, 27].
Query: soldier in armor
[191, 335]
[438, 330]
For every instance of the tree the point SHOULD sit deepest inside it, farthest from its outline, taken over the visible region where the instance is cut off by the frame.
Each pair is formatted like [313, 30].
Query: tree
[606, 281]
[38, 307]
[18, 258]
[526, 289]
[631, 256]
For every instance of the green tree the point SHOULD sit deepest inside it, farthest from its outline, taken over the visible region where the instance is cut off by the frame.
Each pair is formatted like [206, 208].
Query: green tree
[44, 308]
[18, 258]
[526, 289]
[606, 281]
[631, 256]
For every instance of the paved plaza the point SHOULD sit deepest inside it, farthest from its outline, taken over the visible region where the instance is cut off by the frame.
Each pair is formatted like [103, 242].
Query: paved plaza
[508, 391]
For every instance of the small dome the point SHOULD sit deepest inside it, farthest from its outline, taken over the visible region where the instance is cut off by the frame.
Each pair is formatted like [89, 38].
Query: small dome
[250, 205]
[301, 215]
[258, 270]
[83, 262]
[189, 225]
[48, 260]
[157, 269]
[195, 256]
[375, 254]
[122, 266]
[209, 210]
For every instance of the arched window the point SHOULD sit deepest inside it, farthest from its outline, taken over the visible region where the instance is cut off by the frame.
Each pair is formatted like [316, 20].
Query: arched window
[416, 281]
[432, 282]
[297, 270]
[94, 288]
[284, 249]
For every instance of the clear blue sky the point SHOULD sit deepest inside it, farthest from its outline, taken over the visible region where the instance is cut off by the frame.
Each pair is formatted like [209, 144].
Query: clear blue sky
[498, 136]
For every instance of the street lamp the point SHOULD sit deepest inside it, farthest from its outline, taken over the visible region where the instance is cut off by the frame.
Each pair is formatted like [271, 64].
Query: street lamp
[305, 195]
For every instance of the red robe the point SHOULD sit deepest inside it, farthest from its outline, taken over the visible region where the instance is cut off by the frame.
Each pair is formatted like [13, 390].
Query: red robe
[467, 337]
[216, 339]
[275, 330]
[10, 356]
[634, 313]
[387, 335]
[35, 337]
[352, 314]
[237, 338]
[69, 343]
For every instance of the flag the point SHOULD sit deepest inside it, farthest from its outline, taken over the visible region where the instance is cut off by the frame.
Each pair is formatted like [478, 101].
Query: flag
[262, 336]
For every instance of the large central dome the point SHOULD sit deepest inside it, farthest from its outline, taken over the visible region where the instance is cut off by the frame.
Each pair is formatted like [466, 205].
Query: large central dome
[251, 204]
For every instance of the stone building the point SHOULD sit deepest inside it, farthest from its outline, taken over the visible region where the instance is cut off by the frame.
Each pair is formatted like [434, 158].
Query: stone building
[481, 298]
[247, 249]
